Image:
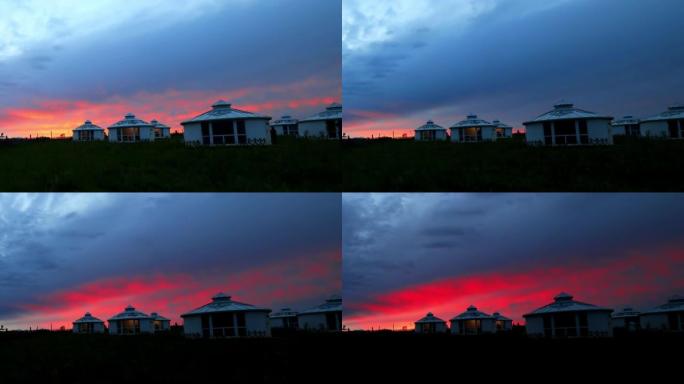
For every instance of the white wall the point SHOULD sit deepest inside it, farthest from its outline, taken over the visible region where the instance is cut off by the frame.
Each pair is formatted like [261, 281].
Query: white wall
[257, 130]
[655, 129]
[597, 129]
[599, 324]
[192, 326]
[534, 326]
[654, 321]
[257, 324]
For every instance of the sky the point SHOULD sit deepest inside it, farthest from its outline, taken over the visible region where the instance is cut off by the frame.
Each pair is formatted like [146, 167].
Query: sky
[408, 254]
[62, 255]
[65, 61]
[408, 61]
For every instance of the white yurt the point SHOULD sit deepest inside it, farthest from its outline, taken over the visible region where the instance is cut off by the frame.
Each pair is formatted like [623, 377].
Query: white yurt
[286, 318]
[473, 322]
[431, 132]
[131, 322]
[568, 125]
[88, 324]
[225, 125]
[502, 323]
[224, 317]
[669, 124]
[430, 324]
[326, 124]
[472, 130]
[161, 131]
[667, 317]
[626, 319]
[131, 130]
[324, 317]
[566, 317]
[88, 132]
[502, 130]
[286, 126]
[160, 323]
[627, 126]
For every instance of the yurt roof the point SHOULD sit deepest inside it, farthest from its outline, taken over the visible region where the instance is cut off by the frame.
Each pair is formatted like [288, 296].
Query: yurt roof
[224, 303]
[332, 112]
[222, 110]
[674, 304]
[676, 112]
[499, 316]
[88, 126]
[626, 120]
[157, 124]
[284, 312]
[130, 313]
[130, 121]
[472, 121]
[333, 304]
[563, 302]
[499, 124]
[626, 312]
[430, 126]
[567, 111]
[472, 313]
[285, 120]
[158, 317]
[430, 318]
[88, 318]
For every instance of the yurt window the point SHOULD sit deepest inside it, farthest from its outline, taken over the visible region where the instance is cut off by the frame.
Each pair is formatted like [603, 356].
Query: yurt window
[241, 324]
[130, 326]
[331, 128]
[157, 132]
[206, 136]
[632, 130]
[675, 321]
[241, 132]
[583, 131]
[672, 127]
[223, 132]
[427, 135]
[86, 135]
[331, 320]
[223, 325]
[583, 324]
[500, 132]
[548, 134]
[205, 326]
[131, 134]
[548, 328]
[565, 132]
[565, 324]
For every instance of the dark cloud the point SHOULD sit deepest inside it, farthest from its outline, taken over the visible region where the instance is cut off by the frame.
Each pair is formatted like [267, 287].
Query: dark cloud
[513, 65]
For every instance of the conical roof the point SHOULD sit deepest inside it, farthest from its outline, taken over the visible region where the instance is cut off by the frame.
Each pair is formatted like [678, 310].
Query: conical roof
[88, 126]
[675, 112]
[564, 302]
[674, 304]
[284, 312]
[499, 316]
[430, 318]
[472, 121]
[224, 303]
[567, 111]
[333, 304]
[88, 318]
[157, 124]
[430, 126]
[332, 112]
[130, 121]
[472, 313]
[223, 110]
[130, 313]
[499, 124]
[626, 312]
[626, 120]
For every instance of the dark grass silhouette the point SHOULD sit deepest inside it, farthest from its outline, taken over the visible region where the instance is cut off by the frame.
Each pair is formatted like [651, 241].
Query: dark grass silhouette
[61, 165]
[355, 357]
[511, 165]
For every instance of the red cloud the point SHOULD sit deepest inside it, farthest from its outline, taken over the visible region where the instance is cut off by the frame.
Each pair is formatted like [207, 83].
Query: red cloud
[310, 277]
[632, 279]
[56, 116]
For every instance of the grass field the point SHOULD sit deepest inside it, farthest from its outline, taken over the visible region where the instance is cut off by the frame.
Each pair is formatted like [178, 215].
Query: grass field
[60, 165]
[408, 166]
[339, 357]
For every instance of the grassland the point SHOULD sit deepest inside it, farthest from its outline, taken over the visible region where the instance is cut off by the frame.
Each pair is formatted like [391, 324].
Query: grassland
[408, 166]
[356, 357]
[61, 165]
